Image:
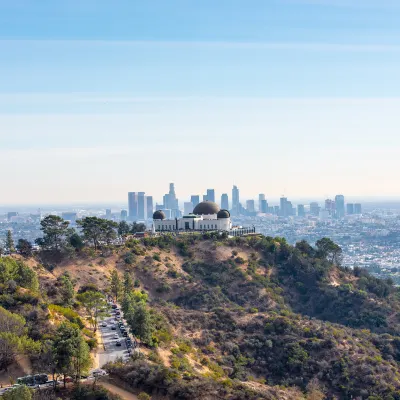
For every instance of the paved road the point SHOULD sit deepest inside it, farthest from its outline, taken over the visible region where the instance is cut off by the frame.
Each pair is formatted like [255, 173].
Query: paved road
[111, 352]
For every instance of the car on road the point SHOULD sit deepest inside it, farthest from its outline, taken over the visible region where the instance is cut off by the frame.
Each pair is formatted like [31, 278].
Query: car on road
[116, 336]
[118, 343]
[99, 372]
[104, 324]
[114, 306]
[113, 327]
[125, 334]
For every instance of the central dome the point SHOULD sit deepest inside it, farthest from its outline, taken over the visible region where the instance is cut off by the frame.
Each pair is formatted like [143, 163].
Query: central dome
[206, 208]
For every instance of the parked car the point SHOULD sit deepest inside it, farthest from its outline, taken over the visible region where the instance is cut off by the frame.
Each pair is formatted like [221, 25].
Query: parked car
[113, 327]
[103, 324]
[116, 336]
[118, 343]
[114, 306]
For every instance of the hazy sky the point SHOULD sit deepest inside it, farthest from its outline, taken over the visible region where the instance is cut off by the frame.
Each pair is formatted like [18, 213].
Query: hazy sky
[100, 97]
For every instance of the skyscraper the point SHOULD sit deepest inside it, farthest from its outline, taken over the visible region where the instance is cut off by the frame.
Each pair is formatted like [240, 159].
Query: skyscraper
[300, 210]
[141, 213]
[132, 205]
[225, 201]
[170, 200]
[187, 208]
[108, 213]
[339, 202]
[250, 206]
[264, 206]
[357, 208]
[195, 199]
[314, 209]
[124, 215]
[350, 208]
[283, 206]
[211, 195]
[261, 197]
[235, 200]
[149, 206]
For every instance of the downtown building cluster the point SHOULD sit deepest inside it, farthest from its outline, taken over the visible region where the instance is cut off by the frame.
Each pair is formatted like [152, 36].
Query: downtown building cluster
[141, 206]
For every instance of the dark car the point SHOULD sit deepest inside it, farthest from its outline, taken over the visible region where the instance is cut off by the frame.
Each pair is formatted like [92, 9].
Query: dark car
[118, 343]
[125, 334]
[113, 327]
[114, 306]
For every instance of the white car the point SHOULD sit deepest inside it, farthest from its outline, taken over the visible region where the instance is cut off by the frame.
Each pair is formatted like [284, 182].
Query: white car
[99, 372]
[116, 336]
[103, 324]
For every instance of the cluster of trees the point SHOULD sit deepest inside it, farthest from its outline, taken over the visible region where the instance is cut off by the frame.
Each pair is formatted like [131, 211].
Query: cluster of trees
[70, 353]
[13, 338]
[58, 236]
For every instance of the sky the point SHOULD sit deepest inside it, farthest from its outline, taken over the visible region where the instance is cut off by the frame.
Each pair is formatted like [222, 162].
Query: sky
[294, 97]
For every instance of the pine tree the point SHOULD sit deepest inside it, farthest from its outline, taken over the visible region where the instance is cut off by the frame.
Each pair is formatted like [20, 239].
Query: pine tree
[10, 242]
[141, 324]
[116, 285]
[128, 284]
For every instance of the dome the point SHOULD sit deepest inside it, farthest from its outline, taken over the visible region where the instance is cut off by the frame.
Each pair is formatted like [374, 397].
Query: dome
[223, 214]
[206, 208]
[159, 215]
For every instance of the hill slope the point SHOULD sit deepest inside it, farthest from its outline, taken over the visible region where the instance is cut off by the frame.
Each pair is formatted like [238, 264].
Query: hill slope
[253, 318]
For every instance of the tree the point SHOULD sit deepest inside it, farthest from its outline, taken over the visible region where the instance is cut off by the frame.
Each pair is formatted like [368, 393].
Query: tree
[123, 228]
[55, 230]
[76, 242]
[95, 305]
[19, 393]
[116, 285]
[24, 247]
[144, 396]
[98, 230]
[71, 352]
[128, 284]
[10, 242]
[328, 249]
[141, 323]
[67, 289]
[137, 227]
[13, 338]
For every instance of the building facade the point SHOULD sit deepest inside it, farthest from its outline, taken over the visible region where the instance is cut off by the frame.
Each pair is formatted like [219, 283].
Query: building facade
[207, 216]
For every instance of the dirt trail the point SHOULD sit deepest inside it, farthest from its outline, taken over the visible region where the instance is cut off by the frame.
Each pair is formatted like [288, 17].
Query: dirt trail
[117, 390]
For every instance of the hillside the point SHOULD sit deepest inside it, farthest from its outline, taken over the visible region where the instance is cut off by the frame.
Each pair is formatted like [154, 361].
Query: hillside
[245, 318]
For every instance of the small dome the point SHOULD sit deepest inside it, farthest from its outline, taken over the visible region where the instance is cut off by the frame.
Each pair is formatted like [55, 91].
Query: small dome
[223, 214]
[159, 215]
[206, 208]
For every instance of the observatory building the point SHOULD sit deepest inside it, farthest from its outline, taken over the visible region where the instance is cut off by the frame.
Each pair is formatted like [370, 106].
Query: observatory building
[206, 216]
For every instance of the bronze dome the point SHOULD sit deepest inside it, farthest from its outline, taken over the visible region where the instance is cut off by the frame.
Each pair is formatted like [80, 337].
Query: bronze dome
[223, 214]
[159, 215]
[206, 208]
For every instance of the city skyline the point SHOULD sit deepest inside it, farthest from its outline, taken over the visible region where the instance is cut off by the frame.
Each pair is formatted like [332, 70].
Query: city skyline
[279, 91]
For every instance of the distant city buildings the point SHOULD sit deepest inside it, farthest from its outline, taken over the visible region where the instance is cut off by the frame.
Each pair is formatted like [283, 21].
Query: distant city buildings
[187, 208]
[250, 207]
[149, 207]
[301, 210]
[69, 216]
[124, 215]
[195, 199]
[235, 201]
[339, 202]
[225, 201]
[141, 207]
[210, 195]
[261, 198]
